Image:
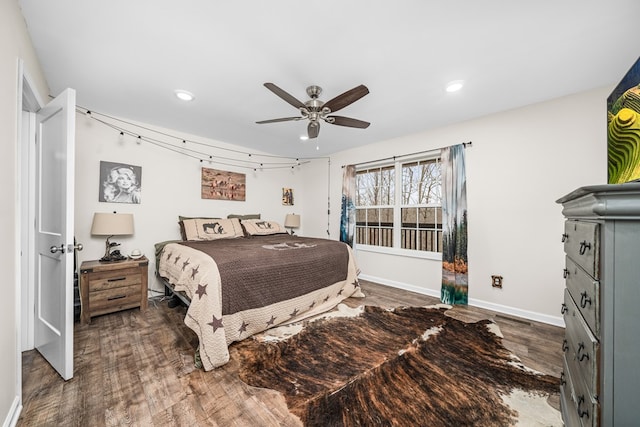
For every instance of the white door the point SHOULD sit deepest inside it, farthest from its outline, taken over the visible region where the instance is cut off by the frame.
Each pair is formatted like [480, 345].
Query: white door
[55, 148]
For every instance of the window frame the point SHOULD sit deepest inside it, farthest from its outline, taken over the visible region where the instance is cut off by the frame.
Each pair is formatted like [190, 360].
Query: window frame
[397, 206]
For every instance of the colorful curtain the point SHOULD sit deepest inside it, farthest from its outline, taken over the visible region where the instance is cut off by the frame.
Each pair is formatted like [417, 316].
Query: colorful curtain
[348, 215]
[454, 226]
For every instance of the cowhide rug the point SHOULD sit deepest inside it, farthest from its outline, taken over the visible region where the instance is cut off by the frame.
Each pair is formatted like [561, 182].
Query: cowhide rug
[411, 366]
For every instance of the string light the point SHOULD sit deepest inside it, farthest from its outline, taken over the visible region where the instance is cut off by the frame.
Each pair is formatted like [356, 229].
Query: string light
[193, 153]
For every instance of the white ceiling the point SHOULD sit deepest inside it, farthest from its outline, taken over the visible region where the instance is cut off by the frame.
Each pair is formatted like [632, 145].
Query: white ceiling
[125, 58]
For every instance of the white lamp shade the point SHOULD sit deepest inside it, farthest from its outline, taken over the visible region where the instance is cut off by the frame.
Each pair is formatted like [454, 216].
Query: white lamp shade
[112, 224]
[292, 221]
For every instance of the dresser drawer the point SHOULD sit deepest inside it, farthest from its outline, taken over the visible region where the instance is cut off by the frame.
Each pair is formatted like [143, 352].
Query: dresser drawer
[578, 405]
[586, 294]
[581, 348]
[582, 244]
[115, 299]
[568, 406]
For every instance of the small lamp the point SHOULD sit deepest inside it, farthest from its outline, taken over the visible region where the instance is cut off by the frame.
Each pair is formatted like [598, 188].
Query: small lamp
[292, 221]
[112, 224]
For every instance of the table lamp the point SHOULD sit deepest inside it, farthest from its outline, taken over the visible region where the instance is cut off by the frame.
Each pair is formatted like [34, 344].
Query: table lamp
[112, 224]
[292, 221]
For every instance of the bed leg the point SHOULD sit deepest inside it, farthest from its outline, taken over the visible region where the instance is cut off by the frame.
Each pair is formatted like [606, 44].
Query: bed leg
[173, 302]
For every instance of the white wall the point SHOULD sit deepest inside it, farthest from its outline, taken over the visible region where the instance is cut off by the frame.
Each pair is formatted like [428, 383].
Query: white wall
[171, 187]
[15, 44]
[520, 162]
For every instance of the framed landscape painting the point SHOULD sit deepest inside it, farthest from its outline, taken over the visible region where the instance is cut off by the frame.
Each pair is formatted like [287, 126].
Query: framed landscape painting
[223, 185]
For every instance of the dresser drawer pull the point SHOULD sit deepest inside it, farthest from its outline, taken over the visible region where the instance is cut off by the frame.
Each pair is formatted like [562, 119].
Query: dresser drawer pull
[584, 246]
[584, 300]
[116, 297]
[582, 412]
[580, 355]
[565, 236]
[565, 346]
[564, 308]
[565, 273]
[116, 279]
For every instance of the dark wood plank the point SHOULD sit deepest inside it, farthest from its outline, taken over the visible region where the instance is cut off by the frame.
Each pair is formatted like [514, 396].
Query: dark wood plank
[136, 368]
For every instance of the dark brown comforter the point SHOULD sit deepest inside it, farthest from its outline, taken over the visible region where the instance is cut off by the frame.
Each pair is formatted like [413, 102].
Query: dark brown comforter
[262, 270]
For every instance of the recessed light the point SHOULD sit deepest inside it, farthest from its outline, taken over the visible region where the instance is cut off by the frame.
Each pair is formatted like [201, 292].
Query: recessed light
[455, 85]
[304, 137]
[184, 95]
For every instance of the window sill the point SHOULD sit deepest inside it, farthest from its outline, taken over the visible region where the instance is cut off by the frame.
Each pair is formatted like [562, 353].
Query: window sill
[399, 252]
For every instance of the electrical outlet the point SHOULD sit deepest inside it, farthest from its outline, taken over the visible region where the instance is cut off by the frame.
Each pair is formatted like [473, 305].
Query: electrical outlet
[496, 281]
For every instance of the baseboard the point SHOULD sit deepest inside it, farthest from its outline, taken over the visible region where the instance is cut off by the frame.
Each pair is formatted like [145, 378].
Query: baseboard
[511, 311]
[11, 419]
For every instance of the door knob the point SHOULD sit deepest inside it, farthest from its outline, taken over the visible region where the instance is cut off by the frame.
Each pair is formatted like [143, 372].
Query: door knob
[78, 247]
[55, 249]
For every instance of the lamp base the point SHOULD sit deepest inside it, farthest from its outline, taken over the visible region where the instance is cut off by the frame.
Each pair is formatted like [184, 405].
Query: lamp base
[109, 255]
[114, 257]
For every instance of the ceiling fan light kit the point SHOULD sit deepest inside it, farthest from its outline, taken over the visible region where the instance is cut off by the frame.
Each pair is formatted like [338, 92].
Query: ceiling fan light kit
[316, 110]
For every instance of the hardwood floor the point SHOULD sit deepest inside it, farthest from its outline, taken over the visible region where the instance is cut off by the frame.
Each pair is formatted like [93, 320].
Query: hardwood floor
[135, 368]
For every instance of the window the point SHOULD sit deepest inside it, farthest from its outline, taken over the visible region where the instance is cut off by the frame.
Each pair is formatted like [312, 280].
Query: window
[399, 206]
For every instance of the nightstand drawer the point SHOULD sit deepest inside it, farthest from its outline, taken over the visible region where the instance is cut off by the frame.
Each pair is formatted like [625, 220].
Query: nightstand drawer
[115, 299]
[107, 280]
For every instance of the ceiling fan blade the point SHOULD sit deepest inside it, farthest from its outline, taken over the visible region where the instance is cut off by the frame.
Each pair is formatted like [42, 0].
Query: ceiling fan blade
[349, 97]
[313, 129]
[283, 119]
[348, 121]
[284, 95]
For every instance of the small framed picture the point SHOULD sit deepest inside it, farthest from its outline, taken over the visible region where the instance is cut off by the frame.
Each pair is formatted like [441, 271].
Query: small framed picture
[120, 183]
[287, 196]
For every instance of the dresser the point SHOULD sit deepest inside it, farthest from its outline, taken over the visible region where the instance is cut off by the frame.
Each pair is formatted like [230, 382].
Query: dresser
[601, 308]
[110, 287]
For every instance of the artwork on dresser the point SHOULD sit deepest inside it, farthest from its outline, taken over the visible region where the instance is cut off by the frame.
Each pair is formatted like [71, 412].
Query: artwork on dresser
[454, 288]
[120, 183]
[223, 185]
[623, 129]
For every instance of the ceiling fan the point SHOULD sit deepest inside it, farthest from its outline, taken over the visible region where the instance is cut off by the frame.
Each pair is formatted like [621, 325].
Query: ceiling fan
[316, 110]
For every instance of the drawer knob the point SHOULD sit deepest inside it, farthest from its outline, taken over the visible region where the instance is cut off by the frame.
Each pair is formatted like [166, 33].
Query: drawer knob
[584, 300]
[565, 346]
[581, 354]
[565, 237]
[582, 412]
[564, 308]
[584, 246]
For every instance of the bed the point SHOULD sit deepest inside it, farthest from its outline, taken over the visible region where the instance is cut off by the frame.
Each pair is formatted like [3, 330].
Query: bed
[243, 278]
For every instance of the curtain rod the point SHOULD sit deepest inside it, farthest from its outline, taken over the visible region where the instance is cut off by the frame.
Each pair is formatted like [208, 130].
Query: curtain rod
[465, 144]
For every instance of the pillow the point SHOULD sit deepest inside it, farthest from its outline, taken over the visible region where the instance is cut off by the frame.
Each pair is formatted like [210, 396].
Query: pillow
[212, 229]
[260, 227]
[182, 218]
[243, 217]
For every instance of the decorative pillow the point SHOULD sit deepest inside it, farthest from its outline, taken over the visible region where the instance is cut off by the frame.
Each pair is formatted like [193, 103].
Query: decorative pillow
[242, 217]
[182, 218]
[260, 227]
[212, 229]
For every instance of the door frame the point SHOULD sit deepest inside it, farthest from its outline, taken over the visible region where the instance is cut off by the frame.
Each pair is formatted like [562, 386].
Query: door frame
[28, 102]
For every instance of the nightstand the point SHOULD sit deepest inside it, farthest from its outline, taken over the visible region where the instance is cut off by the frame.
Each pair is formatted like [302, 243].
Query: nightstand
[110, 287]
